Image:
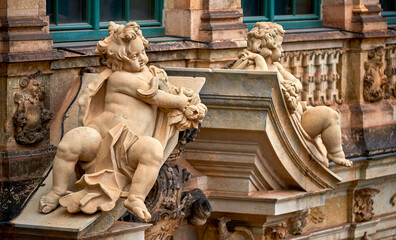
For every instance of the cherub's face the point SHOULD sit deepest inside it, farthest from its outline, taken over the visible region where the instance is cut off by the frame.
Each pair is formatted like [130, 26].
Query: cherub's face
[277, 51]
[137, 59]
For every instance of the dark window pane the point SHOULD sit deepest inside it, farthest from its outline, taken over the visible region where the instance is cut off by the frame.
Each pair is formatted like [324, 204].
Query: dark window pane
[51, 10]
[141, 10]
[304, 6]
[112, 10]
[283, 7]
[251, 8]
[72, 11]
[388, 5]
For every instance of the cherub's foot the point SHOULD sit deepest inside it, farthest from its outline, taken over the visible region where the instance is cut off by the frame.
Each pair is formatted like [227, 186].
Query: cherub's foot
[339, 158]
[49, 202]
[138, 207]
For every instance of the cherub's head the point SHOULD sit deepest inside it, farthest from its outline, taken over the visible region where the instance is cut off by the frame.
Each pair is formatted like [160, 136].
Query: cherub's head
[123, 49]
[266, 38]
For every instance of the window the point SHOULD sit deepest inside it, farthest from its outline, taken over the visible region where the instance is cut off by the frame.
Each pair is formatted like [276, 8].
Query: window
[289, 13]
[389, 10]
[84, 20]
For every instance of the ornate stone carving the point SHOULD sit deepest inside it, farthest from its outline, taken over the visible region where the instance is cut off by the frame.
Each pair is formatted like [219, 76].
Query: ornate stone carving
[240, 232]
[390, 67]
[317, 71]
[263, 53]
[393, 200]
[375, 82]
[363, 206]
[316, 216]
[131, 115]
[293, 226]
[31, 118]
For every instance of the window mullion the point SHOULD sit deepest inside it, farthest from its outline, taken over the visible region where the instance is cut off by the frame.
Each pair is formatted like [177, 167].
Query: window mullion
[271, 9]
[127, 2]
[95, 14]
[294, 7]
[56, 12]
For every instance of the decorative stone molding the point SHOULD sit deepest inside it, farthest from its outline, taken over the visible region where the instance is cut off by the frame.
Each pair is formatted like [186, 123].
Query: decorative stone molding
[31, 118]
[375, 82]
[293, 226]
[316, 216]
[363, 206]
[390, 67]
[240, 232]
[317, 71]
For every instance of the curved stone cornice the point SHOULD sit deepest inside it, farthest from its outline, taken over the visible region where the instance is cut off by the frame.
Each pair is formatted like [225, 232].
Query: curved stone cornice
[248, 142]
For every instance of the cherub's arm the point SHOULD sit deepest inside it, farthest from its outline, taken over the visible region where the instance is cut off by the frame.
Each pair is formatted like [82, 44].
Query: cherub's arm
[129, 85]
[288, 76]
[247, 58]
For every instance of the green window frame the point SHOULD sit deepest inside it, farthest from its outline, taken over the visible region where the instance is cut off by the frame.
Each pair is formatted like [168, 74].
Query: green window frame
[94, 29]
[389, 13]
[292, 21]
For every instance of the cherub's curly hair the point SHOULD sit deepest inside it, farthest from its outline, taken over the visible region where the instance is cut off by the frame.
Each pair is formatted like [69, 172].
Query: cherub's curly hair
[117, 46]
[261, 39]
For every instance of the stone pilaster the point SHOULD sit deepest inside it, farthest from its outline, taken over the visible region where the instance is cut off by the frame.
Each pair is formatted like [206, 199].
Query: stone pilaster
[215, 22]
[354, 15]
[25, 55]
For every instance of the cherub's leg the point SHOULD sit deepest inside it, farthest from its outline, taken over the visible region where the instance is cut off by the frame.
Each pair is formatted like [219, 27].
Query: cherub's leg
[147, 153]
[81, 143]
[324, 120]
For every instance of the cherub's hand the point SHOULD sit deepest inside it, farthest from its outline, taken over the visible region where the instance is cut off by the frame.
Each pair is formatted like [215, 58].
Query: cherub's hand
[254, 59]
[183, 101]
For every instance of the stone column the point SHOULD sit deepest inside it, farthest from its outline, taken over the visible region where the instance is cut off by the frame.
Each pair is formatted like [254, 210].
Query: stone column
[25, 55]
[219, 23]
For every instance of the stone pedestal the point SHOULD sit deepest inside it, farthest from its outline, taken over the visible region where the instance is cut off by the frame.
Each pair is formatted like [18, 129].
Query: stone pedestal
[60, 224]
[26, 54]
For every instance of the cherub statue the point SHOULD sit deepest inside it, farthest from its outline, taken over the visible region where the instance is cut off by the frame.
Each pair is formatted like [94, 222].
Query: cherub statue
[130, 116]
[264, 49]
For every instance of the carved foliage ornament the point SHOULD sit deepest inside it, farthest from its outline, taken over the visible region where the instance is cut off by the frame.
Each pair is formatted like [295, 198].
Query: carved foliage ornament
[31, 118]
[375, 82]
[293, 226]
[239, 232]
[363, 206]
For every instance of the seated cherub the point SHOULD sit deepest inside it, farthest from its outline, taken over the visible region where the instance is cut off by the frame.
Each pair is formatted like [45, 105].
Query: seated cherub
[264, 49]
[130, 115]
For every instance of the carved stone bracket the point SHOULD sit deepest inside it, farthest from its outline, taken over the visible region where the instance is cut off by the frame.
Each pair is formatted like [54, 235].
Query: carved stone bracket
[293, 226]
[317, 71]
[31, 118]
[363, 206]
[376, 85]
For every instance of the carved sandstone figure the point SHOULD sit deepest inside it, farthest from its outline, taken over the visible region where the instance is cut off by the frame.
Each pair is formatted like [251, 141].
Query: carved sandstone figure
[130, 115]
[264, 49]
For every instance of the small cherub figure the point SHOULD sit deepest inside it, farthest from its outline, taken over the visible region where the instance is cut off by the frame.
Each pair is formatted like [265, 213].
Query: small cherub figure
[130, 115]
[264, 49]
